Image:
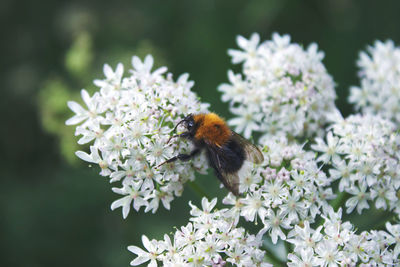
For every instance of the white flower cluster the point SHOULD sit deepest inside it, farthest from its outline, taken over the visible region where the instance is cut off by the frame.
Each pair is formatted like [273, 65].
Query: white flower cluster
[335, 243]
[210, 239]
[364, 154]
[284, 90]
[379, 92]
[128, 122]
[287, 189]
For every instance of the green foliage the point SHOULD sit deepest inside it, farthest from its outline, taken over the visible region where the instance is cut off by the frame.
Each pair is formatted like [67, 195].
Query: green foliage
[52, 100]
[79, 57]
[56, 91]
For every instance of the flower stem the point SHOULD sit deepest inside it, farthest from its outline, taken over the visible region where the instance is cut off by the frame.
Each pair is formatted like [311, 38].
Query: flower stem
[288, 247]
[273, 259]
[335, 204]
[339, 200]
[196, 188]
[383, 219]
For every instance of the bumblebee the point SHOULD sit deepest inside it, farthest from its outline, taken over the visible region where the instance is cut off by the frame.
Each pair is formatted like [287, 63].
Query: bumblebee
[226, 150]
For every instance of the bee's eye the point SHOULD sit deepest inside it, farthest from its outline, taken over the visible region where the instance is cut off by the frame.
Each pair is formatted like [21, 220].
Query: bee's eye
[190, 124]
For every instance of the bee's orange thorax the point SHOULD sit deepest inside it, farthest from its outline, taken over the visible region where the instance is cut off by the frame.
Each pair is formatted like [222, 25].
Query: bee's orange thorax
[212, 129]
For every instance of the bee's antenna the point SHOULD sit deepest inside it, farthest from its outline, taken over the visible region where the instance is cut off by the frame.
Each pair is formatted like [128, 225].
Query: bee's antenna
[173, 130]
[178, 124]
[169, 139]
[159, 165]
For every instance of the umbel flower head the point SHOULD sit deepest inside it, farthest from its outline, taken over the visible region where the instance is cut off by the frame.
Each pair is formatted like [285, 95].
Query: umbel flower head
[282, 90]
[212, 238]
[335, 243]
[379, 73]
[127, 124]
[363, 152]
[287, 189]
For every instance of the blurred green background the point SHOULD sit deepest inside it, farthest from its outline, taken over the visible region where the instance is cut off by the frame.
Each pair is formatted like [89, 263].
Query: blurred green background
[55, 211]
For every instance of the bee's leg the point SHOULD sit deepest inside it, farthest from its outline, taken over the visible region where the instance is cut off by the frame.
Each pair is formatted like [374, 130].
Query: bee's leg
[182, 157]
[183, 135]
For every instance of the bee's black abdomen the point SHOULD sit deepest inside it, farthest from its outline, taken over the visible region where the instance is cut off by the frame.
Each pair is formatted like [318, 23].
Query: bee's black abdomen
[230, 159]
[236, 155]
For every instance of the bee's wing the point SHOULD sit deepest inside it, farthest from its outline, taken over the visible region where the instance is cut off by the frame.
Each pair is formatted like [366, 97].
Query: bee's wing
[218, 159]
[253, 154]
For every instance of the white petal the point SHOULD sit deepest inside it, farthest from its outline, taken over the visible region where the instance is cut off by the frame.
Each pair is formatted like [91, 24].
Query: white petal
[116, 176]
[136, 62]
[86, 97]
[153, 263]
[75, 120]
[380, 203]
[160, 71]
[146, 243]
[119, 202]
[138, 202]
[120, 70]
[108, 72]
[237, 56]
[255, 38]
[148, 62]
[139, 260]
[166, 203]
[138, 251]
[182, 78]
[120, 191]
[95, 154]
[85, 140]
[241, 41]
[99, 83]
[125, 209]
[84, 156]
[247, 132]
[75, 107]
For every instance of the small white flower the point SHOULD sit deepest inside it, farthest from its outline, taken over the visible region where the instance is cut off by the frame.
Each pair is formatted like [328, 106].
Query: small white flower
[94, 157]
[94, 105]
[306, 259]
[365, 160]
[394, 230]
[294, 207]
[336, 244]
[154, 250]
[131, 190]
[253, 205]
[280, 198]
[211, 240]
[379, 73]
[328, 253]
[113, 78]
[246, 120]
[273, 224]
[329, 150]
[127, 124]
[144, 69]
[359, 200]
[283, 89]
[305, 237]
[249, 47]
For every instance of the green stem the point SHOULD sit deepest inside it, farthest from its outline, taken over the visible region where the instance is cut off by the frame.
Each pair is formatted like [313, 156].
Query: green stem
[196, 188]
[288, 247]
[339, 200]
[383, 219]
[273, 259]
[335, 204]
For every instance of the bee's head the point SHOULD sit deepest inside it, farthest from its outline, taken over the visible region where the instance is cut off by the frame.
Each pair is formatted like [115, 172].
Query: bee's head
[189, 122]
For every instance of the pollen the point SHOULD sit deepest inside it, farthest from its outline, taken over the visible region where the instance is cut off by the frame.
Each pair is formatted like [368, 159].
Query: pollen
[212, 129]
